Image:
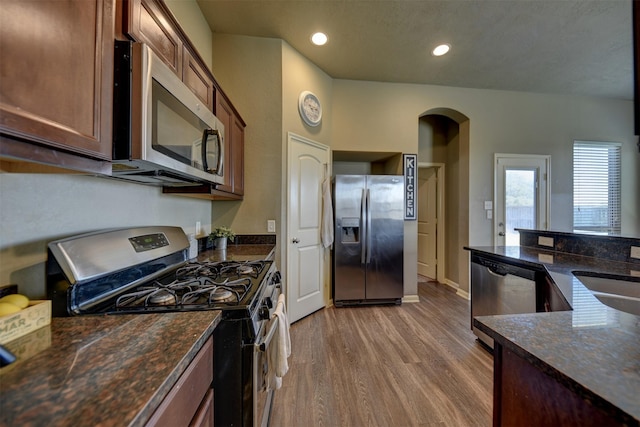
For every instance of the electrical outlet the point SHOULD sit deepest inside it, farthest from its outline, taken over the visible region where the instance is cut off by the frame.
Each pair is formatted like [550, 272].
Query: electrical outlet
[545, 241]
[271, 225]
[635, 252]
[198, 228]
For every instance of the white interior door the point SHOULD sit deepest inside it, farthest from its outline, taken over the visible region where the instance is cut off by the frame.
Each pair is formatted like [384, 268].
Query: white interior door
[308, 166]
[521, 196]
[427, 222]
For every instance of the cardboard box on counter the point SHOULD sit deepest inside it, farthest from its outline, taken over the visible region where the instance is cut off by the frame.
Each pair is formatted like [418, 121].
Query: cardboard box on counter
[36, 315]
[29, 345]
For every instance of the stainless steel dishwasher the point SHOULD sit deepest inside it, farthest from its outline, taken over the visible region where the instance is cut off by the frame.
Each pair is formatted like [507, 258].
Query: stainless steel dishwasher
[498, 287]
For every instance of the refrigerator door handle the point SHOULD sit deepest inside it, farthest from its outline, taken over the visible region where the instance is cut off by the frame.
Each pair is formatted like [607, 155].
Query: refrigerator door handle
[363, 226]
[369, 227]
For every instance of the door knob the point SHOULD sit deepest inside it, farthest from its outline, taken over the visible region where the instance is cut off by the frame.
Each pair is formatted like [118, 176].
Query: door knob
[295, 240]
[501, 234]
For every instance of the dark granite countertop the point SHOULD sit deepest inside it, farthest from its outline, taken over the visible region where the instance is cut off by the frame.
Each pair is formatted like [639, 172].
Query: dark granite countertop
[592, 349]
[99, 370]
[240, 252]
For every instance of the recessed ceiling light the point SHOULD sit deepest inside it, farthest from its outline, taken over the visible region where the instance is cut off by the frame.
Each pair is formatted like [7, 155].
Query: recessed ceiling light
[319, 39]
[441, 50]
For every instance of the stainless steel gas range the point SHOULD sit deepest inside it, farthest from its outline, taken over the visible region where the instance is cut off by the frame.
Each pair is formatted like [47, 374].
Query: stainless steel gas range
[147, 270]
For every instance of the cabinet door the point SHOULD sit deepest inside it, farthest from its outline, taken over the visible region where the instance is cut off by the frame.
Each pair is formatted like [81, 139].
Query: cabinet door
[146, 22]
[237, 155]
[224, 113]
[196, 78]
[56, 76]
[189, 398]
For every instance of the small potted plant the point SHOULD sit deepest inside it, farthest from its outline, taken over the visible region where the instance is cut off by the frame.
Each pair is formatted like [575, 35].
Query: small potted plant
[220, 235]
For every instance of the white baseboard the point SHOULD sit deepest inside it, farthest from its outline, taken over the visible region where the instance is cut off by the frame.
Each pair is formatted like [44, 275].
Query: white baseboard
[410, 298]
[459, 292]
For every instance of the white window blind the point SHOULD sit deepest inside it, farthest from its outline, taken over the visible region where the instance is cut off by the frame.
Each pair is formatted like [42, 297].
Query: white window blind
[596, 187]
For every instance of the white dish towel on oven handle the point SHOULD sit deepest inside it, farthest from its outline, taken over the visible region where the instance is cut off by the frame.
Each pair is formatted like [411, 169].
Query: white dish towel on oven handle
[280, 348]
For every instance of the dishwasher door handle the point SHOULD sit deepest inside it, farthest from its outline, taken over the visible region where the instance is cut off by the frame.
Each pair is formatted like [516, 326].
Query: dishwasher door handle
[496, 273]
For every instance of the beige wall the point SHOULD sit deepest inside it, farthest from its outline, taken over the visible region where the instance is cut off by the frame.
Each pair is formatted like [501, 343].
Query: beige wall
[36, 209]
[253, 83]
[375, 116]
[263, 78]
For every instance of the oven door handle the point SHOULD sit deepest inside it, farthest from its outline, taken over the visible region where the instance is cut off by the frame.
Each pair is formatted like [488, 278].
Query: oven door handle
[262, 346]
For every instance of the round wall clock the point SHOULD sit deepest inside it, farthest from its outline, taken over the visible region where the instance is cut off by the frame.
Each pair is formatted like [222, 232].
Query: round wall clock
[310, 108]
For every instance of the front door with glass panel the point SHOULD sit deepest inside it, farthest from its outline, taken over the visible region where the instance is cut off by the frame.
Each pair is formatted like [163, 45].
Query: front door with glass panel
[521, 196]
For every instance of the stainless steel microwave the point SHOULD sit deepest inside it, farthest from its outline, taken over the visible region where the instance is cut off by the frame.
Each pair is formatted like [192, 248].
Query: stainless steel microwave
[163, 134]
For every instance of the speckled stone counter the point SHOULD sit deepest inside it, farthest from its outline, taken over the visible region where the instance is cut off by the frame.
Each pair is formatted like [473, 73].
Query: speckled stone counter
[241, 252]
[593, 349]
[100, 370]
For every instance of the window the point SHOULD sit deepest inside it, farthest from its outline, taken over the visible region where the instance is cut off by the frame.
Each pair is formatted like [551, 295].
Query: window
[596, 187]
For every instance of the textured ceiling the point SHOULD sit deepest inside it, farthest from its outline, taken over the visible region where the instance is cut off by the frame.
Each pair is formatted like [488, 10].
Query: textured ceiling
[562, 46]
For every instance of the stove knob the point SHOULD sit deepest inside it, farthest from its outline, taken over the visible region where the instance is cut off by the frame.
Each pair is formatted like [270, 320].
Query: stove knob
[263, 313]
[268, 302]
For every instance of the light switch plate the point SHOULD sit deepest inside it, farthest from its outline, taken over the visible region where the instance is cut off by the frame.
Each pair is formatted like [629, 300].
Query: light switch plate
[198, 228]
[635, 252]
[271, 225]
[545, 241]
[488, 204]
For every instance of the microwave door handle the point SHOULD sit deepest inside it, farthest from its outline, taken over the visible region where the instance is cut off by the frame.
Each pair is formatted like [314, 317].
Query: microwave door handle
[203, 148]
[220, 153]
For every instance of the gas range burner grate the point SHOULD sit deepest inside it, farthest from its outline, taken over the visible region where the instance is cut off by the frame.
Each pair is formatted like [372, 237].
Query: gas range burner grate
[216, 269]
[186, 293]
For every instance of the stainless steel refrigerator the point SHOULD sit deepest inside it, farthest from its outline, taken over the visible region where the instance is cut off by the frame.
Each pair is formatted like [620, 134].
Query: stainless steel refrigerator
[369, 239]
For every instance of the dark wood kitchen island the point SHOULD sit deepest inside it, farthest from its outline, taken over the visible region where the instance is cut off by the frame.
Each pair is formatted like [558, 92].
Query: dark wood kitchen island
[579, 367]
[107, 370]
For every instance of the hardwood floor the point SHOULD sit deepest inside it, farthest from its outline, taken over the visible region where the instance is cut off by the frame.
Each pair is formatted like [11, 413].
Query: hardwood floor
[417, 364]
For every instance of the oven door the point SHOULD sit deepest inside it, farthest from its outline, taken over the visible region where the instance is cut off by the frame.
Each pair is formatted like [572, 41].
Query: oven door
[263, 391]
[262, 396]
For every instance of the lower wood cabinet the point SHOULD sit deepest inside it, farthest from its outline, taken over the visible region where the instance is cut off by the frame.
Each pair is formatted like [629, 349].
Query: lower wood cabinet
[190, 402]
[524, 395]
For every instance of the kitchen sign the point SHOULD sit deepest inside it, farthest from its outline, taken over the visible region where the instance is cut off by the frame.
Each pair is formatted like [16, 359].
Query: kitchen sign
[410, 204]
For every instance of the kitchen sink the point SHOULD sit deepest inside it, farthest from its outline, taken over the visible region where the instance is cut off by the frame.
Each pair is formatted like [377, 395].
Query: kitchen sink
[621, 293]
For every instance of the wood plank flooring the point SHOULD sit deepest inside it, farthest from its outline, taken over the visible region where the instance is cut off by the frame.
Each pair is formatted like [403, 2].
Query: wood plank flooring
[417, 364]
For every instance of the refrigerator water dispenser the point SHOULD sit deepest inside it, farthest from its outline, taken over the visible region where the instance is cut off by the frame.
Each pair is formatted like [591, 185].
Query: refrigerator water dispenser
[350, 230]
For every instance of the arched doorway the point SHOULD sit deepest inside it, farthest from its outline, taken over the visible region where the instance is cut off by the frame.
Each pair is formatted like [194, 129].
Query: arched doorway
[444, 144]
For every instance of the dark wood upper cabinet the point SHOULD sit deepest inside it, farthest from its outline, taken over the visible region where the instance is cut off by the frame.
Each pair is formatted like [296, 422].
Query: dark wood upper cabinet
[237, 155]
[56, 77]
[225, 114]
[149, 22]
[197, 79]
